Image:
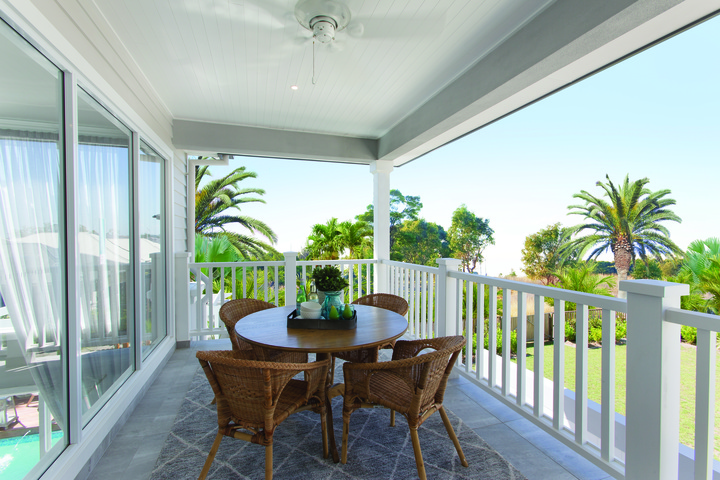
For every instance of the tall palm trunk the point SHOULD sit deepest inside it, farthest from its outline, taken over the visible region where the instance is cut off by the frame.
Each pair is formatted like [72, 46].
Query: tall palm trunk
[623, 259]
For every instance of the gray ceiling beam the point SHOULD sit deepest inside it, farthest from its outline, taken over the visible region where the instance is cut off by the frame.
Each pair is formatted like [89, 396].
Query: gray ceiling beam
[212, 138]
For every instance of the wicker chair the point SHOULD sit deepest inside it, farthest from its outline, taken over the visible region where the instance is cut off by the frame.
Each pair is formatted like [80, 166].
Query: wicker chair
[233, 311]
[370, 355]
[257, 396]
[411, 384]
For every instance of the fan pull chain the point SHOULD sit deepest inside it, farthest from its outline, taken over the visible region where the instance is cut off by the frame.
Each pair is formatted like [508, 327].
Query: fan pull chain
[313, 75]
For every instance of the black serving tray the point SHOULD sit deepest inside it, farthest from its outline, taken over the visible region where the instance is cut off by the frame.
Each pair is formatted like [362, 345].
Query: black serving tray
[321, 323]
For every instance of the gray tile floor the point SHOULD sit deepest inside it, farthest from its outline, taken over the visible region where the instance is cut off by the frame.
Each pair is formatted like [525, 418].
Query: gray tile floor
[536, 454]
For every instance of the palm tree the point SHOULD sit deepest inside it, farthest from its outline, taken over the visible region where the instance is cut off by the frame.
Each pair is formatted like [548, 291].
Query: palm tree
[701, 270]
[212, 218]
[582, 278]
[325, 241]
[628, 225]
[356, 237]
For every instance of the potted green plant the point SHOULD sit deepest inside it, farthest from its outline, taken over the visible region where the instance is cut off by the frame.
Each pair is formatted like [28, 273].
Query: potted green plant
[329, 279]
[330, 282]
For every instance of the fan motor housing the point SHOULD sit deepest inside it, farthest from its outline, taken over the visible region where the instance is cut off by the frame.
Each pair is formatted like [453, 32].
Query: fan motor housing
[323, 28]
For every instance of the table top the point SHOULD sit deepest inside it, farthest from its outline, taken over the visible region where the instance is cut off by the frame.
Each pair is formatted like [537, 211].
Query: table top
[268, 328]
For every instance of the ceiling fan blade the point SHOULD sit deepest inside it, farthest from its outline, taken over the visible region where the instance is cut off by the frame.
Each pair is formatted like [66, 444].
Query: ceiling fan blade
[388, 27]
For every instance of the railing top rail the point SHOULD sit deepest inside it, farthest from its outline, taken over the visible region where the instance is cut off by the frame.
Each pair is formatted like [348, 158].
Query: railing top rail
[411, 266]
[704, 321]
[600, 301]
[336, 262]
[236, 264]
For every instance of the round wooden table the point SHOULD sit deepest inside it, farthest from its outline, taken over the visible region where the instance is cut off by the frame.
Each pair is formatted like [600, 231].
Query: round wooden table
[268, 328]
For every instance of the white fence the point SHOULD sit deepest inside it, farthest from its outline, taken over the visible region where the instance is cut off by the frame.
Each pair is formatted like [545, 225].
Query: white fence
[442, 299]
[212, 284]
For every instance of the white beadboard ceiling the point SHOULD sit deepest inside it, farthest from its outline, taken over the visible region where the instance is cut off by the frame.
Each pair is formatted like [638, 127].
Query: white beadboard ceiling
[233, 61]
[405, 77]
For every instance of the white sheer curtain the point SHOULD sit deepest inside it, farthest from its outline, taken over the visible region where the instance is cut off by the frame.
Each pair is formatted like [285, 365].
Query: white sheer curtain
[31, 277]
[105, 274]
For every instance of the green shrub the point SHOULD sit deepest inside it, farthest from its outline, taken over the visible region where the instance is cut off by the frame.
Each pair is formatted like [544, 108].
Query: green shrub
[595, 335]
[688, 334]
[570, 331]
[620, 329]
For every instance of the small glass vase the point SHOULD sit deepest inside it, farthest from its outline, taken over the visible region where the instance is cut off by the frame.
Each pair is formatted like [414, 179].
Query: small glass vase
[332, 299]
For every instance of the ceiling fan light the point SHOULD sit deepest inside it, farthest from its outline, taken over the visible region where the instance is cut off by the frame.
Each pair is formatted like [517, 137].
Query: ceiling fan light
[323, 29]
[306, 11]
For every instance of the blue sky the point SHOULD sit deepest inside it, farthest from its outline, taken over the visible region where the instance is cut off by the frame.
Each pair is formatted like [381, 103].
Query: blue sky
[655, 115]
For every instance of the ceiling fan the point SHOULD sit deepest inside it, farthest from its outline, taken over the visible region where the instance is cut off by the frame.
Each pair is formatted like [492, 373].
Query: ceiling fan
[323, 18]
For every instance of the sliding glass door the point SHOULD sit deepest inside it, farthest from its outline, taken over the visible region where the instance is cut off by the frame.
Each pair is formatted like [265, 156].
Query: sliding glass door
[33, 370]
[104, 237]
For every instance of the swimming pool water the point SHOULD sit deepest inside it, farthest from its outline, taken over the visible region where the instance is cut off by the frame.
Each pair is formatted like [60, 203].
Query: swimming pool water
[18, 455]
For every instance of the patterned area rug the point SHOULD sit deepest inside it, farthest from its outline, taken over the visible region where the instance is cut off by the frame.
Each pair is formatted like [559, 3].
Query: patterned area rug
[375, 451]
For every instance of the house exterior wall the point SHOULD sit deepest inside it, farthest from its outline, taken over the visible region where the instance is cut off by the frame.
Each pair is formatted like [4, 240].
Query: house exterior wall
[76, 38]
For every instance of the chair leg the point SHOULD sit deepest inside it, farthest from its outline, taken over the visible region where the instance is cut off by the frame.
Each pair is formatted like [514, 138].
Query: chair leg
[392, 418]
[268, 462]
[418, 453]
[453, 437]
[211, 456]
[323, 429]
[346, 434]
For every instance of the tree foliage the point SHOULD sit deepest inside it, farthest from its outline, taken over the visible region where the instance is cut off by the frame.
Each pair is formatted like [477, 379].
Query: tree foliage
[628, 223]
[701, 270]
[335, 239]
[324, 242]
[420, 242]
[402, 208]
[217, 208]
[582, 278]
[468, 236]
[541, 255]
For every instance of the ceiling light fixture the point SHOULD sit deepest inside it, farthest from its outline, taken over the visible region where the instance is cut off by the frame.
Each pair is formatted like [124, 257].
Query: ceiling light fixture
[293, 87]
[323, 18]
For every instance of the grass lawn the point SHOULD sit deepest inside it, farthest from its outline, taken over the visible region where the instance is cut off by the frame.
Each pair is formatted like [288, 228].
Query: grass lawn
[687, 380]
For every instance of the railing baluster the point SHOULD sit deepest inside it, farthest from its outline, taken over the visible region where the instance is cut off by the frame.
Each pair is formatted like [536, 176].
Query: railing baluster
[507, 306]
[607, 435]
[434, 305]
[255, 278]
[411, 303]
[351, 281]
[244, 287]
[211, 299]
[416, 302]
[521, 345]
[559, 365]
[234, 289]
[468, 325]
[222, 286]
[539, 360]
[581, 369]
[492, 336]
[458, 308]
[480, 333]
[705, 404]
[276, 285]
[423, 304]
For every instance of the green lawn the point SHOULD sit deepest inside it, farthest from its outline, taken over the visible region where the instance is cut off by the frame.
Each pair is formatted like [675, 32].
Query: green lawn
[687, 389]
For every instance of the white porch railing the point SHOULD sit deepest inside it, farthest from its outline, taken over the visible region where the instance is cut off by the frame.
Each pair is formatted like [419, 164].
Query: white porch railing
[261, 280]
[441, 299]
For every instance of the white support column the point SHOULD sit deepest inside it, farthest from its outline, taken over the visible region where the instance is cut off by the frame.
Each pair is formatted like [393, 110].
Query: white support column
[182, 299]
[653, 379]
[381, 206]
[446, 294]
[290, 279]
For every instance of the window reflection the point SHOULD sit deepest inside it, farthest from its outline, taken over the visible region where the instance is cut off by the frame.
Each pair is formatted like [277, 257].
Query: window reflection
[104, 245]
[33, 400]
[151, 181]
